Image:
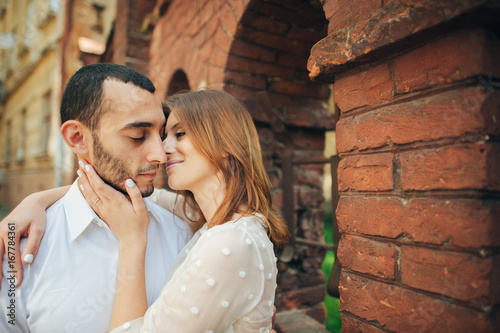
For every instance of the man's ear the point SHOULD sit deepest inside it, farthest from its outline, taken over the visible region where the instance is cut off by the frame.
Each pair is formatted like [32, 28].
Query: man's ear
[76, 136]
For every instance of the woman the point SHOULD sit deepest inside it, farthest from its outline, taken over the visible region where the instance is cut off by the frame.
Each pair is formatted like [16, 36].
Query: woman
[225, 279]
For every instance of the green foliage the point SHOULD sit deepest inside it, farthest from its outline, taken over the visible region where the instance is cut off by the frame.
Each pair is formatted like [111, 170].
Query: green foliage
[4, 211]
[332, 322]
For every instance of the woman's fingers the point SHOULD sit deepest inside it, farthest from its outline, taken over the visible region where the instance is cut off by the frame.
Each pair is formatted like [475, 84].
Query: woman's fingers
[101, 189]
[88, 192]
[135, 197]
[32, 244]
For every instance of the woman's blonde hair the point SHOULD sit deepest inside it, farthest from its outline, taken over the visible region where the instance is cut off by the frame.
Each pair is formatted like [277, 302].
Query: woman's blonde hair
[221, 128]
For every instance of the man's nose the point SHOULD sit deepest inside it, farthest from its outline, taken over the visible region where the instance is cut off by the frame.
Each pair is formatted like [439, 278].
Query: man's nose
[156, 153]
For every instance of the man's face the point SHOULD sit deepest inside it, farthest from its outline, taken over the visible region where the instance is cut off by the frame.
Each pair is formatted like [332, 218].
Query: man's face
[128, 140]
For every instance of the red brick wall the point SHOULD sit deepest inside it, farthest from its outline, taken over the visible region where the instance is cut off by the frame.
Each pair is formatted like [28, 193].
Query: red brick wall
[129, 44]
[417, 86]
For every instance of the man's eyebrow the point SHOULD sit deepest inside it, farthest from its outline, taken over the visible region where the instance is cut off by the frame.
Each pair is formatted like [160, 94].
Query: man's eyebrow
[137, 124]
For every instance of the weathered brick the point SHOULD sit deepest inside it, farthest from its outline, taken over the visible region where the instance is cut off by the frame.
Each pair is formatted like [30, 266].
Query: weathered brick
[258, 67]
[223, 40]
[457, 275]
[309, 197]
[366, 173]
[273, 41]
[462, 166]
[304, 18]
[293, 60]
[453, 58]
[265, 23]
[206, 52]
[206, 34]
[291, 279]
[248, 50]
[367, 87]
[297, 298]
[402, 310]
[218, 58]
[305, 35]
[450, 114]
[240, 91]
[203, 14]
[215, 75]
[368, 256]
[281, 101]
[347, 13]
[308, 176]
[459, 222]
[384, 30]
[278, 196]
[309, 9]
[296, 321]
[228, 19]
[294, 116]
[310, 140]
[352, 324]
[311, 89]
[251, 81]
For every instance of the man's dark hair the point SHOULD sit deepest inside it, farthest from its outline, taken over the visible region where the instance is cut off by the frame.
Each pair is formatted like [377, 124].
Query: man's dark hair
[82, 97]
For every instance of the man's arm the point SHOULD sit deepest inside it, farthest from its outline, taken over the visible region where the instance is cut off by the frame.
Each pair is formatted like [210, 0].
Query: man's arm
[28, 219]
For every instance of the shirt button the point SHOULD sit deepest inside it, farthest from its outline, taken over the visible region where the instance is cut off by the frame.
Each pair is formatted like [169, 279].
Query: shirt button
[99, 224]
[126, 326]
[155, 199]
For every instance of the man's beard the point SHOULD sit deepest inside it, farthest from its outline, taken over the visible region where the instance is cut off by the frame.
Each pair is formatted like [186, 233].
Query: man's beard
[113, 170]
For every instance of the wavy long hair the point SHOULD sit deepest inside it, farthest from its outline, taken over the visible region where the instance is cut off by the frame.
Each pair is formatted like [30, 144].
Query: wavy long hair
[221, 128]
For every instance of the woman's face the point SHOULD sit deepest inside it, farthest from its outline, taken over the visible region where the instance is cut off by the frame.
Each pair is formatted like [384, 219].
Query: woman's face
[187, 168]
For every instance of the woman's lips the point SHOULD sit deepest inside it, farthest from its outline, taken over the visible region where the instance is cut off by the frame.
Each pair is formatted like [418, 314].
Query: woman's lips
[171, 164]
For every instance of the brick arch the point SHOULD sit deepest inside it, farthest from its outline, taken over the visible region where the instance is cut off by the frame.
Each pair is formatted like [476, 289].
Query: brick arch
[259, 50]
[178, 82]
[244, 47]
[194, 36]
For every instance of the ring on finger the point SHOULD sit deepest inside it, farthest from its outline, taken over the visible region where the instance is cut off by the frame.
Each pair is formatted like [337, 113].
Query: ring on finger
[96, 201]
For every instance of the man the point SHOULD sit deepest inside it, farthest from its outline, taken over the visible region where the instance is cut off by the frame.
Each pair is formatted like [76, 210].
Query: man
[111, 118]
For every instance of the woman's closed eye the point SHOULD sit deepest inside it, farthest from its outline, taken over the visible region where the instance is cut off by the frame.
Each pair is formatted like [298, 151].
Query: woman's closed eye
[179, 134]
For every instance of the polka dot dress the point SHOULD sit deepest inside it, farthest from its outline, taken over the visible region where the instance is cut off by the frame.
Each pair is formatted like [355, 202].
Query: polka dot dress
[223, 281]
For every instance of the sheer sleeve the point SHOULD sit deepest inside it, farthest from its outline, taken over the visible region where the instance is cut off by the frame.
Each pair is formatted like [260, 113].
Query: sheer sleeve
[221, 280]
[170, 201]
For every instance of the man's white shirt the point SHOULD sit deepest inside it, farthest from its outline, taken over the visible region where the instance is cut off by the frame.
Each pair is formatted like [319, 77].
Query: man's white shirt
[70, 285]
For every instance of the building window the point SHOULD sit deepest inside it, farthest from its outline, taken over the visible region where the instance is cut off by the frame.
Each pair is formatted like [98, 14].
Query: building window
[27, 31]
[3, 7]
[54, 5]
[46, 10]
[6, 157]
[21, 149]
[45, 117]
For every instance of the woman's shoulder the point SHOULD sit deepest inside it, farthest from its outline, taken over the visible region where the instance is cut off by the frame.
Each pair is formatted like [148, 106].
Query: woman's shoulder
[245, 235]
[248, 224]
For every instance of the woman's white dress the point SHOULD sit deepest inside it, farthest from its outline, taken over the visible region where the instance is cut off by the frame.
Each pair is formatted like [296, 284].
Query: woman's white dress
[224, 280]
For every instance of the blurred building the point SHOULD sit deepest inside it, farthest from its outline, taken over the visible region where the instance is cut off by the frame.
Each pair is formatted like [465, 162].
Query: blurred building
[42, 43]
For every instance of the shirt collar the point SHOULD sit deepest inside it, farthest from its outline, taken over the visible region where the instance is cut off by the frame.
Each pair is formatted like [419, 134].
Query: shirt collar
[79, 214]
